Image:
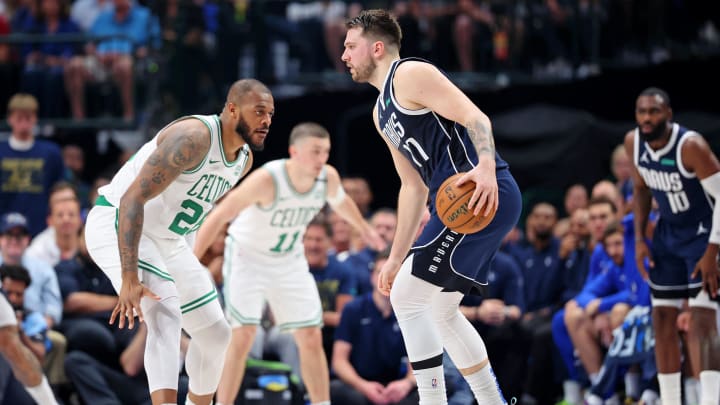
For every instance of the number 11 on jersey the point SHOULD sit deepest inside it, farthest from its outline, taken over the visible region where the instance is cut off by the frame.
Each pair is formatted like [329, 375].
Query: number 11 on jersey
[279, 246]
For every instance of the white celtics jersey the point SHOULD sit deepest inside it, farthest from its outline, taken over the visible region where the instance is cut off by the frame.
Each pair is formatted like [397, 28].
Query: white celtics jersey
[182, 207]
[276, 232]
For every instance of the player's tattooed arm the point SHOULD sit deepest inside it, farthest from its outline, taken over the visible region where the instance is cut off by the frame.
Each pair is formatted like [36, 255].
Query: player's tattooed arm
[183, 146]
[481, 136]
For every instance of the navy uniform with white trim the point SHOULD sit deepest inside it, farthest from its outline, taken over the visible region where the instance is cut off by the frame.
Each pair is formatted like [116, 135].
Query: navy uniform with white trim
[677, 167]
[681, 234]
[439, 148]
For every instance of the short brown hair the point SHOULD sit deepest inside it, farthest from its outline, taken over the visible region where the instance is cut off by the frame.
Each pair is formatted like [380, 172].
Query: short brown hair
[22, 101]
[378, 24]
[306, 129]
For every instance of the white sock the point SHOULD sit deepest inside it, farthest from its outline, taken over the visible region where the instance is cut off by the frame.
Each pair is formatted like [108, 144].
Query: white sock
[322, 403]
[42, 393]
[431, 385]
[593, 378]
[710, 386]
[572, 392]
[632, 385]
[175, 403]
[613, 400]
[669, 388]
[649, 397]
[691, 391]
[593, 399]
[485, 387]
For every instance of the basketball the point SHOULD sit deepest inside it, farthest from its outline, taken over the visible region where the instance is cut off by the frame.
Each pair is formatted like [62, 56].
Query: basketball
[451, 203]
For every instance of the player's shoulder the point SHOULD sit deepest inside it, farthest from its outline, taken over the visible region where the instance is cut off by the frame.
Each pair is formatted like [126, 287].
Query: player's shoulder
[412, 70]
[189, 129]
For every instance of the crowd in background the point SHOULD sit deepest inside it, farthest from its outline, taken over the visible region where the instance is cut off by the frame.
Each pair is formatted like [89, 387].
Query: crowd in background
[89, 58]
[562, 291]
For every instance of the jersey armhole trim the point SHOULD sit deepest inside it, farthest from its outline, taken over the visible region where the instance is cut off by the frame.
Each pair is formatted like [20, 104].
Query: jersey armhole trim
[275, 197]
[201, 164]
[680, 165]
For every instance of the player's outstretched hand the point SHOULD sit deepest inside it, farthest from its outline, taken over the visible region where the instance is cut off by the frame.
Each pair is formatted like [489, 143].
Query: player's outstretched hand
[641, 254]
[387, 276]
[707, 266]
[486, 188]
[131, 292]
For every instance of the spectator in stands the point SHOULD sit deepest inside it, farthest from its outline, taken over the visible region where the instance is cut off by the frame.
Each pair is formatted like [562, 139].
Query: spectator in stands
[384, 222]
[18, 360]
[120, 381]
[542, 271]
[496, 316]
[46, 73]
[621, 168]
[359, 190]
[601, 212]
[33, 330]
[342, 236]
[369, 355]
[607, 189]
[85, 12]
[576, 196]
[335, 281]
[65, 222]
[88, 299]
[135, 31]
[29, 167]
[472, 30]
[43, 295]
[7, 74]
[575, 252]
[182, 25]
[602, 304]
[74, 159]
[43, 245]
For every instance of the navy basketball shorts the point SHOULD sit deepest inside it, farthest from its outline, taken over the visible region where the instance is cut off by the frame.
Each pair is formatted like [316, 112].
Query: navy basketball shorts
[460, 262]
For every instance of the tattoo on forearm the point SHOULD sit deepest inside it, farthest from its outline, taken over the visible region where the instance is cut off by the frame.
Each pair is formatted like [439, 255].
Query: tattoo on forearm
[481, 136]
[131, 224]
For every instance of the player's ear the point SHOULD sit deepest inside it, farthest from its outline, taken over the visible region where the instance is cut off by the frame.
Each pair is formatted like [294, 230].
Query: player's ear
[378, 48]
[670, 114]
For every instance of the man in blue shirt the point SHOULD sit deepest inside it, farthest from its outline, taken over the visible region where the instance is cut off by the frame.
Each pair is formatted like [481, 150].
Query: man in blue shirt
[335, 282]
[28, 166]
[369, 355]
[136, 29]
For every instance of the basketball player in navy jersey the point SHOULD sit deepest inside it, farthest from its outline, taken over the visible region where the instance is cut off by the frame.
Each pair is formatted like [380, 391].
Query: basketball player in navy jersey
[433, 131]
[676, 167]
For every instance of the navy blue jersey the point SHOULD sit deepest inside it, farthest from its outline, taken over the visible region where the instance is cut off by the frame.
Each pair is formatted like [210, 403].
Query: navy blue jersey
[436, 146]
[680, 196]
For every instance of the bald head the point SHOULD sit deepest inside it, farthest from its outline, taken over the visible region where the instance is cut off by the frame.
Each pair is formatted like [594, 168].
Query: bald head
[244, 86]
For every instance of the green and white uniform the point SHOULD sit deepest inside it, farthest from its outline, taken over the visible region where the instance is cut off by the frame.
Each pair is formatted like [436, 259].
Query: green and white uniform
[265, 256]
[168, 264]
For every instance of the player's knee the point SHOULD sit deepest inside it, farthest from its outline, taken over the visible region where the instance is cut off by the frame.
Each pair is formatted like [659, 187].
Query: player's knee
[574, 315]
[702, 321]
[308, 338]
[243, 337]
[222, 332]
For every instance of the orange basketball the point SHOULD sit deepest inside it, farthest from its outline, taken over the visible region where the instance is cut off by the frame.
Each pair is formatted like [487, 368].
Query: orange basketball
[451, 203]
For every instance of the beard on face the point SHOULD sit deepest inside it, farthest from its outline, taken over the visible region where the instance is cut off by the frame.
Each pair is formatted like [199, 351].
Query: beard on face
[362, 74]
[655, 134]
[244, 130]
[543, 234]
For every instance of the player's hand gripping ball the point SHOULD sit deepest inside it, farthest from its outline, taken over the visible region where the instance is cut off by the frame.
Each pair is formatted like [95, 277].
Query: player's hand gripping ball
[451, 203]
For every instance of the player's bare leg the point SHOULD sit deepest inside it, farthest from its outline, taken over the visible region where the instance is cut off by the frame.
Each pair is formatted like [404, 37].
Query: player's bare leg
[313, 364]
[667, 353]
[235, 359]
